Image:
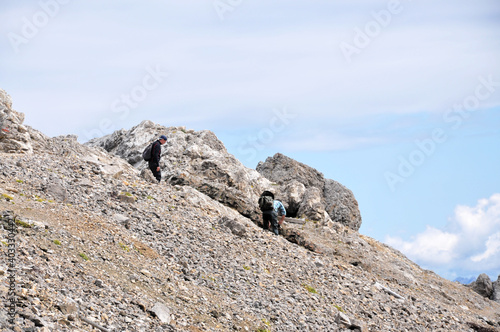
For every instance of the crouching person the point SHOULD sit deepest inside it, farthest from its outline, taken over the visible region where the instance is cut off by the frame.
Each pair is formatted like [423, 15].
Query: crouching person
[271, 208]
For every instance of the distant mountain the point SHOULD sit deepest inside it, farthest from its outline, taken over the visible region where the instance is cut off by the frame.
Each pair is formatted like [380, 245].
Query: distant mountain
[465, 280]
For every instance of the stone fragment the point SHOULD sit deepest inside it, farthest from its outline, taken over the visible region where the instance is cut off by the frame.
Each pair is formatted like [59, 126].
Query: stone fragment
[162, 312]
[342, 319]
[68, 308]
[235, 227]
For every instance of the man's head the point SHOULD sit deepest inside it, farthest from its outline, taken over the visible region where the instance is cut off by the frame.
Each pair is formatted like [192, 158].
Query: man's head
[163, 139]
[268, 193]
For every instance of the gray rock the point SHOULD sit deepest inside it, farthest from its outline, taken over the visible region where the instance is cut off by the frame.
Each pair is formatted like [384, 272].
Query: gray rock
[313, 206]
[495, 296]
[342, 319]
[14, 136]
[126, 198]
[483, 286]
[282, 170]
[161, 311]
[68, 308]
[147, 175]
[307, 194]
[121, 218]
[235, 227]
[341, 205]
[293, 195]
[57, 191]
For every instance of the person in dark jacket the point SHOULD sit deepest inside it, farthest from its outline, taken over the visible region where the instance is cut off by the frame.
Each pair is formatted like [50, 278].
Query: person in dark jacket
[154, 162]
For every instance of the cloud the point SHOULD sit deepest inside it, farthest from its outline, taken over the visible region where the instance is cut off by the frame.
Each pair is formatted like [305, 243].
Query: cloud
[263, 55]
[469, 244]
[433, 246]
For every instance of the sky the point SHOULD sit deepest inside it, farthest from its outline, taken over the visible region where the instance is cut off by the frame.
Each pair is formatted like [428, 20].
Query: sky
[398, 100]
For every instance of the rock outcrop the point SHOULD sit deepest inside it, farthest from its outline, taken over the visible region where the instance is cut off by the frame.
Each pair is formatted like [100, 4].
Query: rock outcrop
[14, 136]
[485, 287]
[200, 160]
[309, 195]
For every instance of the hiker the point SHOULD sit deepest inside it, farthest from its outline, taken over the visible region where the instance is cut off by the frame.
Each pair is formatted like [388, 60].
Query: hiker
[270, 209]
[154, 162]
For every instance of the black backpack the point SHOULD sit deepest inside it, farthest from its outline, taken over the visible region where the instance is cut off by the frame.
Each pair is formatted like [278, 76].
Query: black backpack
[146, 154]
[266, 201]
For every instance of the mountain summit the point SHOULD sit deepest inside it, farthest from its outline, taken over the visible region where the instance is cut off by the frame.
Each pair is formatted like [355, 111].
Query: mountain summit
[100, 246]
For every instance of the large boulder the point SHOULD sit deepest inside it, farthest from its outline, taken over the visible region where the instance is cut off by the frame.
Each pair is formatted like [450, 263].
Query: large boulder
[495, 296]
[14, 136]
[341, 205]
[283, 170]
[307, 194]
[483, 285]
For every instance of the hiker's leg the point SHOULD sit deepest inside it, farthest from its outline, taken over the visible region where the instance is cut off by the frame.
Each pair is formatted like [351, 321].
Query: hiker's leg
[274, 221]
[156, 174]
[265, 220]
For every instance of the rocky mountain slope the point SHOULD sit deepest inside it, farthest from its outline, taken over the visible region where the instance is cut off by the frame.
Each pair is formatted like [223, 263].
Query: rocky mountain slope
[99, 247]
[200, 160]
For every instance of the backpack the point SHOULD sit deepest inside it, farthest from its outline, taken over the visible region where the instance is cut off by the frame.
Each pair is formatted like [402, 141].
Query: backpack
[266, 203]
[146, 154]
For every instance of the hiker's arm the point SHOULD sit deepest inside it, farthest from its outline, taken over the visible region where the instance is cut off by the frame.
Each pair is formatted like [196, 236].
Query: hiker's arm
[283, 213]
[281, 219]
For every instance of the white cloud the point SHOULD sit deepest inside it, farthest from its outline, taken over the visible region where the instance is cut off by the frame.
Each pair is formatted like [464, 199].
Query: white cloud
[470, 243]
[492, 249]
[433, 246]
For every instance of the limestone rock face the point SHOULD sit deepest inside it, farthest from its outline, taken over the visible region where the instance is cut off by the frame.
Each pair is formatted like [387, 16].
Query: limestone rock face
[313, 206]
[307, 194]
[485, 287]
[496, 290]
[282, 170]
[341, 205]
[14, 136]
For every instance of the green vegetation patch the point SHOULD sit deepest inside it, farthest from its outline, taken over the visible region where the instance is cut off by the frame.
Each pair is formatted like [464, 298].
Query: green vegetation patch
[7, 197]
[57, 242]
[82, 255]
[310, 289]
[339, 308]
[124, 247]
[22, 223]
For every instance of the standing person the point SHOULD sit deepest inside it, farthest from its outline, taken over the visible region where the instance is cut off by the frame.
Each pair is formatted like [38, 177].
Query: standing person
[154, 162]
[270, 209]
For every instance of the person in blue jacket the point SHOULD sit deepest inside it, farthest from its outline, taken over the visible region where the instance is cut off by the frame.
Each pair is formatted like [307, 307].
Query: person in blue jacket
[270, 215]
